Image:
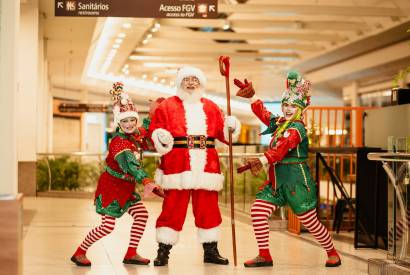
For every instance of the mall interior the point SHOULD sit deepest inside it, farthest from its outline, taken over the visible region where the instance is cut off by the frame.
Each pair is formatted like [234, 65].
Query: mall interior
[56, 72]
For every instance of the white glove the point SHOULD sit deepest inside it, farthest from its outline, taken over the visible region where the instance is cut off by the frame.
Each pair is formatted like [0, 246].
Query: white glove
[230, 122]
[164, 138]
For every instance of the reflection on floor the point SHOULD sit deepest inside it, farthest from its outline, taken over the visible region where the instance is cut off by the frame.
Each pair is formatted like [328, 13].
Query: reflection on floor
[54, 227]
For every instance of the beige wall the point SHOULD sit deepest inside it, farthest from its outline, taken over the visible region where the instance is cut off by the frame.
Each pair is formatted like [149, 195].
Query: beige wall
[28, 82]
[384, 122]
[9, 24]
[66, 135]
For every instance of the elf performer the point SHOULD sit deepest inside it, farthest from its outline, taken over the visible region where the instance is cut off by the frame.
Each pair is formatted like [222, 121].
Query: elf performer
[290, 181]
[115, 194]
[184, 129]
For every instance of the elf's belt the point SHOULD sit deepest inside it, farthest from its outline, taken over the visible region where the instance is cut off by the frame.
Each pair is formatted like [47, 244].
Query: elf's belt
[194, 142]
[291, 160]
[119, 175]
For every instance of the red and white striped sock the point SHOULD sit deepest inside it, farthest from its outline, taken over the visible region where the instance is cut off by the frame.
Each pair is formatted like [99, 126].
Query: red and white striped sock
[140, 215]
[318, 230]
[106, 227]
[260, 212]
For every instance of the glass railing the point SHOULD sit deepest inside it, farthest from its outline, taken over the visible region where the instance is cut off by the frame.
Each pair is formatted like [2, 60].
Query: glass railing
[397, 167]
[79, 172]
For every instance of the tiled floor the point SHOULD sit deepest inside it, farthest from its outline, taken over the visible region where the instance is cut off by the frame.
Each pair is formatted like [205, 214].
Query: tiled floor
[54, 228]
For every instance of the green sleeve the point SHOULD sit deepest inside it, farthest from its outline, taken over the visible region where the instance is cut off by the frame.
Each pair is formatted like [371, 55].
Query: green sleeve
[129, 164]
[300, 128]
[146, 122]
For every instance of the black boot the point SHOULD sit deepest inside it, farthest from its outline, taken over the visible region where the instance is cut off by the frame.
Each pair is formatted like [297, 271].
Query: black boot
[211, 254]
[163, 254]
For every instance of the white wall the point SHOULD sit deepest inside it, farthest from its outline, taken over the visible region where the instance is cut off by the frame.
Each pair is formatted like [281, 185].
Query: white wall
[381, 123]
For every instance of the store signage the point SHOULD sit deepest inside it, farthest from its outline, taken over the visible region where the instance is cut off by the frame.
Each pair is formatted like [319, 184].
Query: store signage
[138, 8]
[73, 107]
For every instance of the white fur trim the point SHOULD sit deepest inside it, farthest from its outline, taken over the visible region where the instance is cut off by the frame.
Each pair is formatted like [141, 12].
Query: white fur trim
[195, 118]
[253, 99]
[264, 160]
[190, 180]
[186, 71]
[208, 235]
[162, 149]
[167, 235]
[122, 115]
[236, 132]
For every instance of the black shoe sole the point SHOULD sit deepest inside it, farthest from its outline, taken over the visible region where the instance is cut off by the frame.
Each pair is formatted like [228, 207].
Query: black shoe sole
[261, 264]
[74, 260]
[136, 262]
[212, 262]
[334, 265]
[160, 264]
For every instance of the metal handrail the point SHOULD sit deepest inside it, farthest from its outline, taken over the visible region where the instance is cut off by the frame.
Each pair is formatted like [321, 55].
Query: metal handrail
[146, 154]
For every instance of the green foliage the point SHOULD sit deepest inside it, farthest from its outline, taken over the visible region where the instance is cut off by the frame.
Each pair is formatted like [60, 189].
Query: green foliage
[401, 75]
[89, 174]
[64, 174]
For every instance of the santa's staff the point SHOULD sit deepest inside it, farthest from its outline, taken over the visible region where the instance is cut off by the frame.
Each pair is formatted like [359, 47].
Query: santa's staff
[224, 69]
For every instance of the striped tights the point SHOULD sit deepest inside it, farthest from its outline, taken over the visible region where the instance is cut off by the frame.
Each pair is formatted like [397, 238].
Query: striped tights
[137, 211]
[260, 213]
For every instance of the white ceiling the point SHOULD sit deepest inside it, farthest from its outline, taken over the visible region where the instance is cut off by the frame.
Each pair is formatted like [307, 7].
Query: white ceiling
[264, 40]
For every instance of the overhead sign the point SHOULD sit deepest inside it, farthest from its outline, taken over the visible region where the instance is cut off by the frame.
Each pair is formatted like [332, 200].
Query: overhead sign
[74, 107]
[138, 8]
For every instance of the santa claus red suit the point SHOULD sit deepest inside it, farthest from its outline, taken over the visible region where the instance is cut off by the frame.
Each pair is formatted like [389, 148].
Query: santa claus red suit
[184, 130]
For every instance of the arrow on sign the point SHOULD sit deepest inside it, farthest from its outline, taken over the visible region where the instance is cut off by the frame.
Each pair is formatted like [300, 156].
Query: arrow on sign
[60, 5]
[212, 8]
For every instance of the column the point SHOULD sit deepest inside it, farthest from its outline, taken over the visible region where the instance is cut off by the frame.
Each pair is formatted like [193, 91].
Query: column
[27, 97]
[9, 25]
[11, 205]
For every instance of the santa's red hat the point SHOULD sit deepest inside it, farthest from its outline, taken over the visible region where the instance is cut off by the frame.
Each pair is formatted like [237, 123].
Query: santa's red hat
[123, 105]
[187, 71]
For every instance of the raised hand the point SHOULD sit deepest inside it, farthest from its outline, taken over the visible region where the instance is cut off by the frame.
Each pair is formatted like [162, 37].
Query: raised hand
[245, 89]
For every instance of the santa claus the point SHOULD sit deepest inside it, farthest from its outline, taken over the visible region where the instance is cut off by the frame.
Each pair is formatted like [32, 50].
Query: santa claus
[184, 129]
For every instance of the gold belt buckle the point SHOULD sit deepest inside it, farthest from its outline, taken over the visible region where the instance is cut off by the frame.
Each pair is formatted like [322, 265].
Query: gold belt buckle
[190, 141]
[202, 142]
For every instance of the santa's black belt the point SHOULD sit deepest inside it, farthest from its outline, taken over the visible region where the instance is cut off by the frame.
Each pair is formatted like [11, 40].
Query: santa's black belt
[194, 142]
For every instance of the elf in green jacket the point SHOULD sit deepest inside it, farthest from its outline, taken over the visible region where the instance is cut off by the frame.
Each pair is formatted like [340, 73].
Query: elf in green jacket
[290, 181]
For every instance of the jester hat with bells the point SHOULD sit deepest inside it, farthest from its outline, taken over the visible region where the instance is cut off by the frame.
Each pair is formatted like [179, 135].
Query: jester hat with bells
[123, 107]
[296, 93]
[297, 90]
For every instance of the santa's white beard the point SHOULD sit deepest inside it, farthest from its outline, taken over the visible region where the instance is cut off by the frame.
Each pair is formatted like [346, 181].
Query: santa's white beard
[194, 96]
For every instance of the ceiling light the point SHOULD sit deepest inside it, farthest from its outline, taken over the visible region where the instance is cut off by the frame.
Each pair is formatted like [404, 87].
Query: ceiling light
[154, 29]
[144, 76]
[115, 46]
[149, 35]
[155, 78]
[118, 40]
[126, 25]
[171, 83]
[121, 35]
[162, 81]
[157, 25]
[145, 41]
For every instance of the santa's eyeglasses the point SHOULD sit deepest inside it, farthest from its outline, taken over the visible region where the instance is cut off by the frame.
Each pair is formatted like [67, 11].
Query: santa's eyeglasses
[191, 79]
